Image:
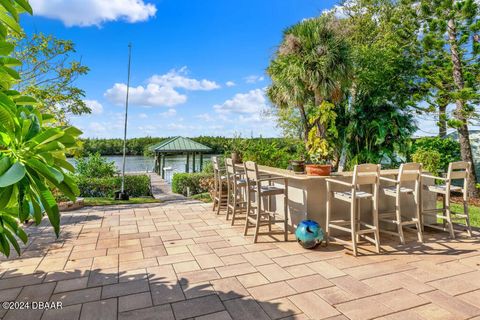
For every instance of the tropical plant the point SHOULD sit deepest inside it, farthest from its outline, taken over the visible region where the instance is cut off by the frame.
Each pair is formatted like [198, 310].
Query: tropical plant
[378, 121]
[450, 34]
[95, 166]
[312, 65]
[448, 149]
[48, 73]
[32, 151]
[430, 159]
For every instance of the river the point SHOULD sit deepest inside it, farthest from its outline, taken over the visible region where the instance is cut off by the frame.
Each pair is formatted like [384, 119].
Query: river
[144, 164]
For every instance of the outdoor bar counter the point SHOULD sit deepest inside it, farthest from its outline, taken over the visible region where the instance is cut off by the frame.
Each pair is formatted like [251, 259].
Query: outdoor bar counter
[308, 195]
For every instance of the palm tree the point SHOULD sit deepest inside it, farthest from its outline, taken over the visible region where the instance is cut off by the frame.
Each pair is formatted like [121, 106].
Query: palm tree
[311, 66]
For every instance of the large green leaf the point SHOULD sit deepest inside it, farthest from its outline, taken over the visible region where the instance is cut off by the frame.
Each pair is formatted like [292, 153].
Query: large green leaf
[25, 5]
[4, 165]
[6, 48]
[26, 101]
[47, 136]
[5, 196]
[13, 175]
[8, 5]
[9, 21]
[11, 239]
[4, 243]
[48, 172]
[10, 62]
[49, 204]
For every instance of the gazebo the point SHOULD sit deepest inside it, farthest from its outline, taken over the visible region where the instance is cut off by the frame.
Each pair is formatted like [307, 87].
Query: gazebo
[178, 146]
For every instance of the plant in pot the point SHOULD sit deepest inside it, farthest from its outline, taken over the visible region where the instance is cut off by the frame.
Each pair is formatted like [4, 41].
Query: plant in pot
[318, 142]
[236, 148]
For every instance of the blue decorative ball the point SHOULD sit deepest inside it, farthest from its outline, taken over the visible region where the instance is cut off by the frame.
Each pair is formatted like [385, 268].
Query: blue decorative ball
[309, 234]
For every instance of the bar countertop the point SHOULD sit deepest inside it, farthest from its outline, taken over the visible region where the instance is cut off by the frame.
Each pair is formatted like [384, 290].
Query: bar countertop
[303, 176]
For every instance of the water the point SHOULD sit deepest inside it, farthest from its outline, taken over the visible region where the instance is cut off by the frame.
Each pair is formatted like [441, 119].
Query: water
[145, 164]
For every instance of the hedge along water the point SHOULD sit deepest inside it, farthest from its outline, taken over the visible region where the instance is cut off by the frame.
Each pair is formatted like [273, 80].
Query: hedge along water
[145, 164]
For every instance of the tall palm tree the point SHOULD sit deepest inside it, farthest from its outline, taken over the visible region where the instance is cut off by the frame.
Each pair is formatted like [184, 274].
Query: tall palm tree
[312, 65]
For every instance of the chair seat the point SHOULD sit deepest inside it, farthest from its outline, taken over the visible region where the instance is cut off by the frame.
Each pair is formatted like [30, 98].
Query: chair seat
[442, 188]
[241, 182]
[270, 190]
[347, 195]
[392, 191]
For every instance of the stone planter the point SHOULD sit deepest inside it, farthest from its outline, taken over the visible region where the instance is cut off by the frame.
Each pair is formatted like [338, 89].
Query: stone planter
[70, 205]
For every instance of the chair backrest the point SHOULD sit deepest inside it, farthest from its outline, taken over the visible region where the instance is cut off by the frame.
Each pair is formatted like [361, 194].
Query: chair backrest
[251, 171]
[459, 170]
[230, 167]
[216, 166]
[410, 171]
[366, 174]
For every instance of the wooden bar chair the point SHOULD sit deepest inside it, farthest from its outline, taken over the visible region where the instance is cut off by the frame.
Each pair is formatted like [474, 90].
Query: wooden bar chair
[407, 174]
[236, 200]
[363, 174]
[456, 171]
[219, 196]
[260, 189]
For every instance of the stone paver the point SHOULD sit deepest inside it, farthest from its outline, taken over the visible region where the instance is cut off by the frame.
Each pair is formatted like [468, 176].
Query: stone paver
[178, 260]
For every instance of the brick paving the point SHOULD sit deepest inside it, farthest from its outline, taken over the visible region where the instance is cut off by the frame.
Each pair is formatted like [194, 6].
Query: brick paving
[178, 260]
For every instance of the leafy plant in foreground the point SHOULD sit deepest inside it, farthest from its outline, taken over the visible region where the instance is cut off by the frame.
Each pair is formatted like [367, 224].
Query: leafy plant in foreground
[32, 152]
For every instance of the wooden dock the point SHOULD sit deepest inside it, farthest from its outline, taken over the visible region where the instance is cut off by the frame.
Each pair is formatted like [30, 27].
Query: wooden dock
[161, 190]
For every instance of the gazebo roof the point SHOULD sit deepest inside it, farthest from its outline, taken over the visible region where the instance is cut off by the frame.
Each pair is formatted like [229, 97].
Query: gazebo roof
[179, 145]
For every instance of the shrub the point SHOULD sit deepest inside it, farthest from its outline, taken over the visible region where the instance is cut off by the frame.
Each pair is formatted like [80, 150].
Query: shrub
[181, 182]
[95, 166]
[135, 185]
[448, 150]
[430, 159]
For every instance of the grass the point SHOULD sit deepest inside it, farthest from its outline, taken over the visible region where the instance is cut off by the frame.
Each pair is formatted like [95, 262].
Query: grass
[474, 212]
[109, 201]
[204, 197]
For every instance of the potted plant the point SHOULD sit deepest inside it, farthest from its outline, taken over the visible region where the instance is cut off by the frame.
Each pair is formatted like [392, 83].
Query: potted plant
[236, 149]
[297, 166]
[318, 154]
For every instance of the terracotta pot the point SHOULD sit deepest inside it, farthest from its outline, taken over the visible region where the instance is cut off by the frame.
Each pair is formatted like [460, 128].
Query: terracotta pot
[318, 169]
[236, 157]
[298, 166]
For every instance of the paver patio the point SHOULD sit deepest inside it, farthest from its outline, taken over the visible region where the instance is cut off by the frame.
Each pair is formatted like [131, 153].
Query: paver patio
[177, 260]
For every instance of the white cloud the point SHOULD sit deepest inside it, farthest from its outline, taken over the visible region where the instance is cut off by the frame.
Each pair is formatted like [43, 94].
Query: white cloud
[254, 79]
[94, 12]
[252, 102]
[178, 79]
[230, 84]
[143, 116]
[169, 113]
[205, 117]
[151, 95]
[97, 127]
[161, 90]
[94, 105]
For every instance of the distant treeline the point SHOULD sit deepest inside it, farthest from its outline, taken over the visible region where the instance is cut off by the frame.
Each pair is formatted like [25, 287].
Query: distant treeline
[219, 145]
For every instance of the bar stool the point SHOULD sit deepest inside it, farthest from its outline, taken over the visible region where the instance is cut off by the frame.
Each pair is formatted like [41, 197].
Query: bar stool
[219, 197]
[363, 174]
[236, 199]
[408, 173]
[261, 215]
[456, 171]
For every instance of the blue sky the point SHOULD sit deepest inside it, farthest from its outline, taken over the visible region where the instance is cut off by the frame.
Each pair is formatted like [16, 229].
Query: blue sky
[198, 67]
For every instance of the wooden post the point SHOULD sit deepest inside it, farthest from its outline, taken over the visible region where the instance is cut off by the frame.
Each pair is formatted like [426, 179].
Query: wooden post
[186, 164]
[163, 166]
[193, 162]
[201, 161]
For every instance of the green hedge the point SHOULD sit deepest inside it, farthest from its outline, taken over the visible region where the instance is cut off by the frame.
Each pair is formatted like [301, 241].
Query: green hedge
[182, 181]
[135, 185]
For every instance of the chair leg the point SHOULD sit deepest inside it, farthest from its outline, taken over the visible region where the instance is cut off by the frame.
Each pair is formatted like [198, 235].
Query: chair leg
[449, 218]
[467, 219]
[285, 221]
[399, 220]
[220, 195]
[258, 219]
[375, 221]
[229, 200]
[419, 221]
[267, 199]
[249, 208]
[353, 213]
[328, 213]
